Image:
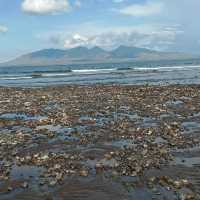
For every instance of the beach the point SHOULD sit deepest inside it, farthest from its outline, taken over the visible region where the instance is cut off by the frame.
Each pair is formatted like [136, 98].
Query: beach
[100, 141]
[99, 100]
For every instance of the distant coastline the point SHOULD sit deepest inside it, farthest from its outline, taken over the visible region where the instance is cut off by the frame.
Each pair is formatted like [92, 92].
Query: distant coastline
[96, 55]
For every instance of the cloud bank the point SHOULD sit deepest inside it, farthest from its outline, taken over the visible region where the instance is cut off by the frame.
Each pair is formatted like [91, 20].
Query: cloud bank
[3, 29]
[157, 37]
[43, 7]
[142, 10]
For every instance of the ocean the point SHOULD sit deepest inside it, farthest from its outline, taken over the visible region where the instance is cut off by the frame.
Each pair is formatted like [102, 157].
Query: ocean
[154, 73]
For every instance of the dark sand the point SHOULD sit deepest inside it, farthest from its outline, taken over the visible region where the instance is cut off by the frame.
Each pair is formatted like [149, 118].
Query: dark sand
[100, 143]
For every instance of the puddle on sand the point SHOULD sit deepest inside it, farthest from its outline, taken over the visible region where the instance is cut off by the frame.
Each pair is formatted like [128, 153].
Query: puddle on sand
[21, 116]
[18, 176]
[170, 116]
[148, 122]
[160, 140]
[98, 121]
[185, 98]
[90, 189]
[191, 127]
[121, 143]
[115, 116]
[66, 131]
[64, 138]
[130, 116]
[166, 116]
[104, 162]
[21, 128]
[187, 157]
[190, 150]
[188, 162]
[175, 103]
[52, 128]
[195, 116]
[13, 129]
[158, 193]
[60, 132]
[25, 172]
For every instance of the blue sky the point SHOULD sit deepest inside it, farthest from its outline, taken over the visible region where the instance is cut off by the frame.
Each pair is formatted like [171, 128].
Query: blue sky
[166, 25]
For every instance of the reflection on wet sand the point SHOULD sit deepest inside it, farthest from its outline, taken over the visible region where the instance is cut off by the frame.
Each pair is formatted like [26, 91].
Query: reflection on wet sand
[100, 142]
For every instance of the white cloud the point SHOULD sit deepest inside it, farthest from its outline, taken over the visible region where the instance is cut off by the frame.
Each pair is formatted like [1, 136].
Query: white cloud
[78, 3]
[43, 7]
[3, 29]
[148, 36]
[142, 10]
[76, 40]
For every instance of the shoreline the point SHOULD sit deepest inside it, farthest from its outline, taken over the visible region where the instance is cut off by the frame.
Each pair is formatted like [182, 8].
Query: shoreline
[102, 85]
[100, 142]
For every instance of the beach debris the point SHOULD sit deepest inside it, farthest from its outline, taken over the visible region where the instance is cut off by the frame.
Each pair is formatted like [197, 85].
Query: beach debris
[124, 134]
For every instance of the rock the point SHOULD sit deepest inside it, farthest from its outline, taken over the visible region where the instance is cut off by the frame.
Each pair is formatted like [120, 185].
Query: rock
[25, 185]
[83, 173]
[10, 189]
[52, 183]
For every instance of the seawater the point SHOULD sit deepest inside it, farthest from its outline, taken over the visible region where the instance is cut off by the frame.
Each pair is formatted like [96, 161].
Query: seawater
[154, 73]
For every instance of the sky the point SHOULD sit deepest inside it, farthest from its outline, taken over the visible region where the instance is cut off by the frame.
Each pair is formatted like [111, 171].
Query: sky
[164, 25]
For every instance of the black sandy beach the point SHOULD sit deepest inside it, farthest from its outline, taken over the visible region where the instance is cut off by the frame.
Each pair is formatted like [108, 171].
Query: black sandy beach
[100, 142]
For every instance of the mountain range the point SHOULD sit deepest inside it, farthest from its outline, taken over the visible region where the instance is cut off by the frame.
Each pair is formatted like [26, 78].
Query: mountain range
[93, 55]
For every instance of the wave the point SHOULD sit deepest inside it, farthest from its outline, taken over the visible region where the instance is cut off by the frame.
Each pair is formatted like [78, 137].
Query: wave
[16, 78]
[109, 70]
[85, 71]
[40, 74]
[167, 68]
[54, 75]
[52, 71]
[125, 68]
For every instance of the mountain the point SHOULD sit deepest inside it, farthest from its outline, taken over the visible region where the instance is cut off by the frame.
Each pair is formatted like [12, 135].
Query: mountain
[129, 52]
[47, 53]
[93, 55]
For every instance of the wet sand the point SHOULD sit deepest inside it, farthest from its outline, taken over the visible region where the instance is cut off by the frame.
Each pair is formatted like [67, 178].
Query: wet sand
[100, 142]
